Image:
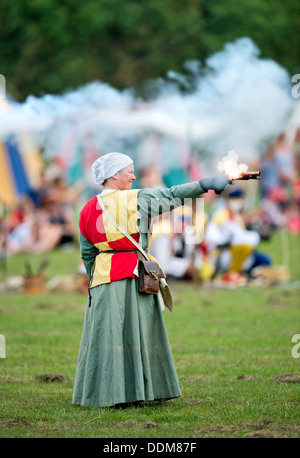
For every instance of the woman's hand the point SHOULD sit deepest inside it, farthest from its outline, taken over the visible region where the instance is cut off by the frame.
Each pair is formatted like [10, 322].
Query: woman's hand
[217, 184]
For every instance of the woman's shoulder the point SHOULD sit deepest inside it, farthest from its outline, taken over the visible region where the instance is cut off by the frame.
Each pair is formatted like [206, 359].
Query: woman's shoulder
[87, 217]
[91, 206]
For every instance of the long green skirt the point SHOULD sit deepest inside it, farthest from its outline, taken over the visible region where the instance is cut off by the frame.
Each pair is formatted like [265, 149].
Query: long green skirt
[124, 354]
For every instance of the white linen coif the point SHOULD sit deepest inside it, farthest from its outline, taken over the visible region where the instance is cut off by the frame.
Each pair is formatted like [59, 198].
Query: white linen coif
[108, 165]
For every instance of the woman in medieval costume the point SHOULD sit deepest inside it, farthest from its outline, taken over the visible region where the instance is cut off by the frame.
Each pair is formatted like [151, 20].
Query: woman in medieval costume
[124, 355]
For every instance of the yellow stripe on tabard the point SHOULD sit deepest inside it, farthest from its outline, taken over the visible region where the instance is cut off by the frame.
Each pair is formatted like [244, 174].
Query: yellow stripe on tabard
[103, 246]
[102, 268]
[122, 205]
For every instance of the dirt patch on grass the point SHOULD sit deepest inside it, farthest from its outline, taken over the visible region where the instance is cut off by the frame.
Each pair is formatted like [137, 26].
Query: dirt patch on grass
[287, 378]
[191, 400]
[261, 429]
[218, 428]
[148, 424]
[282, 378]
[43, 426]
[275, 432]
[284, 298]
[14, 423]
[193, 378]
[264, 433]
[43, 305]
[7, 378]
[253, 378]
[46, 378]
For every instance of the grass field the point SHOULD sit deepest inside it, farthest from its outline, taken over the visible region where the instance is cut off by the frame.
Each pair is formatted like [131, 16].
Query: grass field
[232, 350]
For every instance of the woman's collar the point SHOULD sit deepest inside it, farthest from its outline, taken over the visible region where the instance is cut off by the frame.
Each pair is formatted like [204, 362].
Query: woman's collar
[106, 191]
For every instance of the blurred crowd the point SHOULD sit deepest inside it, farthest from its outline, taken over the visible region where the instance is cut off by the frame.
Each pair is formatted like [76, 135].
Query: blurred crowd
[43, 219]
[228, 245]
[234, 226]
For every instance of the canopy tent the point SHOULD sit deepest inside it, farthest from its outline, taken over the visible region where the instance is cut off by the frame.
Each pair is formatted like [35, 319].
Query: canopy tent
[20, 166]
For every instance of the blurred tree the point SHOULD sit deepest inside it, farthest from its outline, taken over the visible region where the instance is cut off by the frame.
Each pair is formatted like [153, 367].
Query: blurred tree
[50, 46]
[272, 24]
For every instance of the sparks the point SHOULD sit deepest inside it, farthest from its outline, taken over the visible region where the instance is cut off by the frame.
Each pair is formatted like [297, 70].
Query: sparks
[229, 165]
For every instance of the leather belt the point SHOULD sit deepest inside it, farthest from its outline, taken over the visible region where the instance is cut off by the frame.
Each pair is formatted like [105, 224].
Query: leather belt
[119, 251]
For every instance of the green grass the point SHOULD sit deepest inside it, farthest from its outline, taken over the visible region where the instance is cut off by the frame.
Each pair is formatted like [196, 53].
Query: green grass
[232, 351]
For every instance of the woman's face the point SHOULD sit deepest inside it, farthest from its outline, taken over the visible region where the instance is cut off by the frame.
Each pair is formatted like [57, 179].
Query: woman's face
[125, 177]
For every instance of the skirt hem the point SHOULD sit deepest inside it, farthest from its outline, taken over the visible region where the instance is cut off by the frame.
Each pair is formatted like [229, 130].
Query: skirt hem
[124, 403]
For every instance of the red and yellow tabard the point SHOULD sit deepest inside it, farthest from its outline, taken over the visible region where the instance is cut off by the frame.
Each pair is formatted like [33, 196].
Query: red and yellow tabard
[96, 227]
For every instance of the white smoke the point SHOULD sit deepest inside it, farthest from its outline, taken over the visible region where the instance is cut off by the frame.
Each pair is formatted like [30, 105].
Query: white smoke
[230, 165]
[247, 100]
[238, 102]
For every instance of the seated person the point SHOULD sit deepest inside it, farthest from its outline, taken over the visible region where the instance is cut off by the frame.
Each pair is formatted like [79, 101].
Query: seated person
[230, 244]
[173, 245]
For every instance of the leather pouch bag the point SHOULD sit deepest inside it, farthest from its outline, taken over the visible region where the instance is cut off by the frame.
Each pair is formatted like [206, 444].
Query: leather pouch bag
[149, 275]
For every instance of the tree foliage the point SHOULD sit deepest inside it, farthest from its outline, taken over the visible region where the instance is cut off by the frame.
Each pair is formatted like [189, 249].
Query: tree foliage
[50, 46]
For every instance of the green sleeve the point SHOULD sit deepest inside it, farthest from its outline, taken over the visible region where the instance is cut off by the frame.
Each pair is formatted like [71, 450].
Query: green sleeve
[88, 253]
[154, 202]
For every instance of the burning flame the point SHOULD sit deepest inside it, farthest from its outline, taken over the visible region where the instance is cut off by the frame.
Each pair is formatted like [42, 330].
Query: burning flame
[229, 165]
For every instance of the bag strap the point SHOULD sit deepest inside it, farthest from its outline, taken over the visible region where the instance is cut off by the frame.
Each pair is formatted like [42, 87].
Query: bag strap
[114, 222]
